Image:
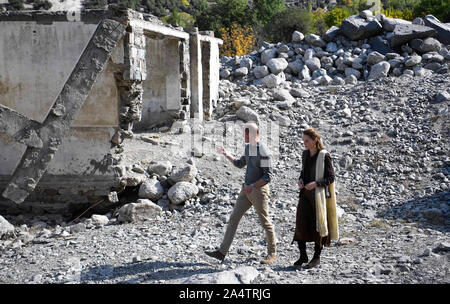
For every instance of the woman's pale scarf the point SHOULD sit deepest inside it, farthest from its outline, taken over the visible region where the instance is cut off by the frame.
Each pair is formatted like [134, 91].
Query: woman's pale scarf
[326, 215]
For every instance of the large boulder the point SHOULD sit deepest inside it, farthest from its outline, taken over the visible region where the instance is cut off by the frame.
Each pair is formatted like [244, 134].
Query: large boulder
[161, 168]
[315, 40]
[374, 58]
[266, 55]
[430, 45]
[331, 34]
[297, 36]
[143, 209]
[272, 81]
[442, 29]
[261, 71]
[403, 33]
[184, 174]
[389, 24]
[151, 189]
[6, 229]
[379, 70]
[313, 64]
[246, 63]
[246, 114]
[277, 65]
[240, 72]
[356, 28]
[412, 60]
[295, 66]
[380, 45]
[181, 192]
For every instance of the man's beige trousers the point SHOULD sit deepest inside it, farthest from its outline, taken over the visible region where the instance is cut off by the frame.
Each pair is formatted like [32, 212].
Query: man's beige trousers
[259, 199]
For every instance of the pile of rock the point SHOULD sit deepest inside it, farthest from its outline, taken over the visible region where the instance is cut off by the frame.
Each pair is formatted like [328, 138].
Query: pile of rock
[365, 47]
[168, 188]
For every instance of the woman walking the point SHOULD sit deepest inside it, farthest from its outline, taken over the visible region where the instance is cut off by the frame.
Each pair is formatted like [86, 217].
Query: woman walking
[307, 228]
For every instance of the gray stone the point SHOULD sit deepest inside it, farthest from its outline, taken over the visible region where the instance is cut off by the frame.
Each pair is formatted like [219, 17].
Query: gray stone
[295, 66]
[80, 227]
[186, 173]
[375, 58]
[331, 47]
[434, 66]
[443, 247]
[151, 189]
[441, 97]
[413, 61]
[379, 70]
[304, 73]
[267, 55]
[161, 168]
[181, 192]
[299, 93]
[442, 29]
[246, 63]
[331, 34]
[277, 65]
[261, 71]
[282, 95]
[239, 275]
[313, 64]
[240, 72]
[315, 40]
[99, 220]
[6, 229]
[418, 21]
[224, 73]
[352, 71]
[351, 79]
[389, 24]
[297, 36]
[143, 209]
[430, 45]
[356, 28]
[272, 81]
[403, 33]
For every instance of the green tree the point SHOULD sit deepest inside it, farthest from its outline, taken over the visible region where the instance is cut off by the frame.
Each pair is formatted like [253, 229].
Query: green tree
[223, 14]
[283, 24]
[265, 9]
[179, 18]
[16, 5]
[438, 8]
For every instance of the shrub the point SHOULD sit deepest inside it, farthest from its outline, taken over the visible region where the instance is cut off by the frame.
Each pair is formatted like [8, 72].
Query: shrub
[438, 8]
[336, 16]
[237, 40]
[223, 14]
[180, 18]
[283, 24]
[405, 14]
[265, 9]
[42, 4]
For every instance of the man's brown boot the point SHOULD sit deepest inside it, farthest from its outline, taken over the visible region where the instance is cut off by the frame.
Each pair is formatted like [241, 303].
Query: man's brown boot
[270, 259]
[216, 254]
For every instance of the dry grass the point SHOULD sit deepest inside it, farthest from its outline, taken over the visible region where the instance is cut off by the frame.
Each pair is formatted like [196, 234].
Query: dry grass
[379, 224]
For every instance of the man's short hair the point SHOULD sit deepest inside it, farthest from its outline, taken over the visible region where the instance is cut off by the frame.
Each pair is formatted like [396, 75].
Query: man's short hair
[251, 125]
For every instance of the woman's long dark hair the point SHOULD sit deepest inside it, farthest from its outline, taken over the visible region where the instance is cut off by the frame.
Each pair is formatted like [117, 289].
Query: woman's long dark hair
[313, 134]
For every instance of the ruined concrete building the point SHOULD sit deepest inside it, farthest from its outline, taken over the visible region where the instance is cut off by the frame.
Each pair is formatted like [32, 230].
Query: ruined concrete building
[74, 84]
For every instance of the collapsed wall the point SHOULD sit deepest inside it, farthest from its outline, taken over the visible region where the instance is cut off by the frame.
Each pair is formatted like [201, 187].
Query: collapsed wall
[73, 85]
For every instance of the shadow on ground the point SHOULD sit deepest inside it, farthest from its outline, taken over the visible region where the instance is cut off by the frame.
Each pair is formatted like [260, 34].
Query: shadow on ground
[433, 216]
[145, 271]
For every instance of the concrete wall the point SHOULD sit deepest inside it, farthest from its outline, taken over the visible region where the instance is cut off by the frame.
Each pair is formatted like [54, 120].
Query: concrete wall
[35, 62]
[162, 89]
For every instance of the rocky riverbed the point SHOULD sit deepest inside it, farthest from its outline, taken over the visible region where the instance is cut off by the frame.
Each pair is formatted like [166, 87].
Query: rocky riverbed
[389, 142]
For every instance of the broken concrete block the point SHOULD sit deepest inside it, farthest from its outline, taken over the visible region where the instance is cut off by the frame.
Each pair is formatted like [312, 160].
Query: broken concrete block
[142, 210]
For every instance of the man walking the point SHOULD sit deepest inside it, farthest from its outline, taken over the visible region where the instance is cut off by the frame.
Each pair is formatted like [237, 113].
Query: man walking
[254, 192]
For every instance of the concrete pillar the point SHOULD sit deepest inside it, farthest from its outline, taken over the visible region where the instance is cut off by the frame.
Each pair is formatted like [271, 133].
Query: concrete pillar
[196, 74]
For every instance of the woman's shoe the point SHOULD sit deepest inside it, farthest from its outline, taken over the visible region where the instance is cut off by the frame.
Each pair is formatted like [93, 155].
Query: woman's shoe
[313, 263]
[301, 260]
